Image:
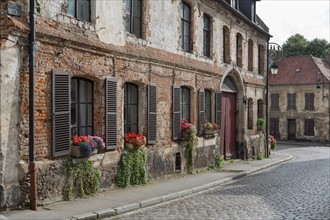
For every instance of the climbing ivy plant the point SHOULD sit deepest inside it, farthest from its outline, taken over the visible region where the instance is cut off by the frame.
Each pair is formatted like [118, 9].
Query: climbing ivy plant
[190, 147]
[132, 168]
[83, 179]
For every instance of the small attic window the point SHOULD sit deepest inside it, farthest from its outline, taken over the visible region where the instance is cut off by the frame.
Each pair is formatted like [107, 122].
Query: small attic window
[298, 70]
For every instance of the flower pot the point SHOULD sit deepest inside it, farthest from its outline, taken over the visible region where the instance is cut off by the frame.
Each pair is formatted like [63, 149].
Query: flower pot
[75, 151]
[208, 131]
[129, 146]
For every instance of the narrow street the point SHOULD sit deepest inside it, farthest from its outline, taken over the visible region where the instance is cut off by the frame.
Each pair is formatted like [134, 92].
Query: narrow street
[298, 189]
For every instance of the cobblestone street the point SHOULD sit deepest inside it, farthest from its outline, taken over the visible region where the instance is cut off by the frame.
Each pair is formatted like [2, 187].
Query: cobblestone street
[299, 189]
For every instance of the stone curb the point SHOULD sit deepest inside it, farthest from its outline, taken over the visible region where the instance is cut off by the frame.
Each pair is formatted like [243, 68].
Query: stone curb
[157, 200]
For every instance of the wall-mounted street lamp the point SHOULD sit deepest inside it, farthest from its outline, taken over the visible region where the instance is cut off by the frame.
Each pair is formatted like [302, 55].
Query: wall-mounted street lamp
[274, 54]
[274, 69]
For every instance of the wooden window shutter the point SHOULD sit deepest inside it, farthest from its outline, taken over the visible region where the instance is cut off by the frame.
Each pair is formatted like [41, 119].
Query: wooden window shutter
[61, 113]
[201, 111]
[218, 109]
[176, 120]
[111, 113]
[152, 114]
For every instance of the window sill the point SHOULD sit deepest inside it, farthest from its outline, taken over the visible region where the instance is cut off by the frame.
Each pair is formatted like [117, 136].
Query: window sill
[132, 38]
[209, 135]
[70, 20]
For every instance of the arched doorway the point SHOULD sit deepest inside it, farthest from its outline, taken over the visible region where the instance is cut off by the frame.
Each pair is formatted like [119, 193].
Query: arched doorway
[228, 125]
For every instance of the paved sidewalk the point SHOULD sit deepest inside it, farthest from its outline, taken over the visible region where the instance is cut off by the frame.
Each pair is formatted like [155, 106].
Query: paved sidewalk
[114, 202]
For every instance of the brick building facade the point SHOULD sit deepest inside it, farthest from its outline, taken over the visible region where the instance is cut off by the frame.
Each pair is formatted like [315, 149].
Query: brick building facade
[90, 55]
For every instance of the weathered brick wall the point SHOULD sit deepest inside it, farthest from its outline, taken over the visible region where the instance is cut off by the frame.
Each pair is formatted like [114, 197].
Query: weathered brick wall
[102, 48]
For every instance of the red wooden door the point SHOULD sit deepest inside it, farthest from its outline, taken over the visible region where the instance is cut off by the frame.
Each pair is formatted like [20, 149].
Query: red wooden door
[228, 126]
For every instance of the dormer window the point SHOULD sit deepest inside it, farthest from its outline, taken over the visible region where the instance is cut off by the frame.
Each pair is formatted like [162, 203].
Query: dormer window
[233, 3]
[253, 11]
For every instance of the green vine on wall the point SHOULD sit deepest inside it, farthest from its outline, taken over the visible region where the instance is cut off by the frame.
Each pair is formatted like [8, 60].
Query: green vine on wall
[190, 147]
[217, 163]
[188, 133]
[83, 179]
[132, 168]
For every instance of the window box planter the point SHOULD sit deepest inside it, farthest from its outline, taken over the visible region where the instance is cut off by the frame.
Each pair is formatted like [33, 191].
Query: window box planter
[76, 152]
[209, 132]
[131, 146]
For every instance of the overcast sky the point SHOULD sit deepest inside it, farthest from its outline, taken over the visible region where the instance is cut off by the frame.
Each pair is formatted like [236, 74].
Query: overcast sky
[285, 18]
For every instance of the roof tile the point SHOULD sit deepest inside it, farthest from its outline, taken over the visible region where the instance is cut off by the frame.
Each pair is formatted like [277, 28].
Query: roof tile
[300, 70]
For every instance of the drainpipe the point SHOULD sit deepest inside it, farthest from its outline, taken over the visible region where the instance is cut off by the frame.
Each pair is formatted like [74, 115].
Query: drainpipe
[32, 165]
[267, 129]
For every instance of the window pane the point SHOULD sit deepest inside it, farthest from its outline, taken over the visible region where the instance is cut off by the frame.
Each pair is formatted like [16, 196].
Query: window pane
[185, 103]
[132, 96]
[206, 23]
[128, 6]
[73, 114]
[89, 90]
[137, 8]
[82, 91]
[82, 115]
[137, 26]
[74, 131]
[133, 117]
[83, 131]
[73, 90]
[186, 112]
[71, 7]
[186, 12]
[82, 108]
[185, 96]
[130, 108]
[208, 105]
[89, 115]
[83, 10]
[128, 15]
[186, 28]
[128, 23]
[89, 130]
[132, 128]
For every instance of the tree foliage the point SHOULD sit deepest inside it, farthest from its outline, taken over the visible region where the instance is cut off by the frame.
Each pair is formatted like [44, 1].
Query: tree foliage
[298, 45]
